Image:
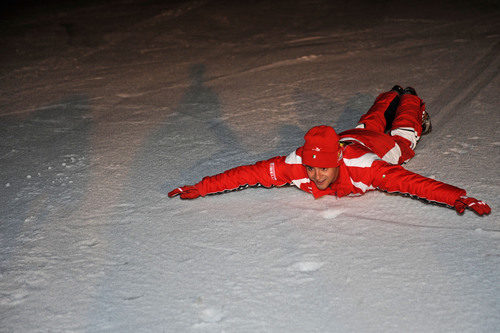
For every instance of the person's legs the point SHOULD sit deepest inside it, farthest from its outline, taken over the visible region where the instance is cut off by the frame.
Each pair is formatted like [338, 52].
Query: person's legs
[379, 114]
[407, 111]
[406, 128]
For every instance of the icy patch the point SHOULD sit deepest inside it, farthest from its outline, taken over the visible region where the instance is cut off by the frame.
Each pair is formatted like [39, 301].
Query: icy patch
[489, 233]
[287, 62]
[212, 315]
[458, 151]
[125, 95]
[14, 298]
[462, 150]
[306, 39]
[331, 213]
[307, 266]
[308, 58]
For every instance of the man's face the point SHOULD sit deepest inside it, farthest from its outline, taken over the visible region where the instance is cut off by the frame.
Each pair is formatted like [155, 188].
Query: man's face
[322, 177]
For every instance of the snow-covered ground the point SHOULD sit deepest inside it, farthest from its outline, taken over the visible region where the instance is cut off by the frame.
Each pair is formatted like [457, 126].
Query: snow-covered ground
[104, 108]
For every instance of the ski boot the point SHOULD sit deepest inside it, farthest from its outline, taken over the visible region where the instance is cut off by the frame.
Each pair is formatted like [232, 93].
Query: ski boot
[410, 90]
[426, 123]
[398, 89]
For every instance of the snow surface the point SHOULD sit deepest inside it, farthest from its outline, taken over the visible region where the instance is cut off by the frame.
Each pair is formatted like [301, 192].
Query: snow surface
[106, 107]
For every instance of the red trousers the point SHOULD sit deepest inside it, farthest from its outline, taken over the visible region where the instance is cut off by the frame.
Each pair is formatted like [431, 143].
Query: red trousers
[398, 144]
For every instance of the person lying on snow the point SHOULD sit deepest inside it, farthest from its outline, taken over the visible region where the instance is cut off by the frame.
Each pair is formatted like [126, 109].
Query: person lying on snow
[365, 158]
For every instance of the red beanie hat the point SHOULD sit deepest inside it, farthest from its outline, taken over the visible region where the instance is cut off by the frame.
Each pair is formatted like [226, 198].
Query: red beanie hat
[321, 148]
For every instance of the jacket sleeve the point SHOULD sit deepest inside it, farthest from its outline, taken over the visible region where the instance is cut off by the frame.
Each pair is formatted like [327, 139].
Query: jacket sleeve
[395, 178]
[266, 173]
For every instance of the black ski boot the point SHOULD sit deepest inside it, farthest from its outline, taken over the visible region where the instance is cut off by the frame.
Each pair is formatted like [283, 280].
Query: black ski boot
[410, 90]
[398, 89]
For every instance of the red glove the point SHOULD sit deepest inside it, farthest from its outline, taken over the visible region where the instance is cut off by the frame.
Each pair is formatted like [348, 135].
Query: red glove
[473, 204]
[186, 192]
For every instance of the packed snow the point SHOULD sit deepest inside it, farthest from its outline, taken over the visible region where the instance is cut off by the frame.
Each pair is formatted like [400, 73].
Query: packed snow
[106, 106]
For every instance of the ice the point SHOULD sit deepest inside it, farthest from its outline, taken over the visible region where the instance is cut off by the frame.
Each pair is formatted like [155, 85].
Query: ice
[331, 213]
[211, 315]
[307, 266]
[105, 107]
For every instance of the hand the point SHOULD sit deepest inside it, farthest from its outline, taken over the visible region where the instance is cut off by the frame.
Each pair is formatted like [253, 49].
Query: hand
[473, 204]
[186, 192]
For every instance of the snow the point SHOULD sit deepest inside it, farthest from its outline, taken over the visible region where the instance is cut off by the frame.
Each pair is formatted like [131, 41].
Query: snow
[107, 107]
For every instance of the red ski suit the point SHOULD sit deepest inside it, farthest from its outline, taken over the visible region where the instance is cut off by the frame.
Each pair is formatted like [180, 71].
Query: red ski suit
[371, 160]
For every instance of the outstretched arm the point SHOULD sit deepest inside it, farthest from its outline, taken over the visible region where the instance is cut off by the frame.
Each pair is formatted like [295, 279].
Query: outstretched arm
[261, 173]
[394, 178]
